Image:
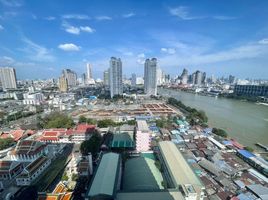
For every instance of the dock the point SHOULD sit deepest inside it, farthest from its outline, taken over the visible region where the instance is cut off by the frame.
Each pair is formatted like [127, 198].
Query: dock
[262, 146]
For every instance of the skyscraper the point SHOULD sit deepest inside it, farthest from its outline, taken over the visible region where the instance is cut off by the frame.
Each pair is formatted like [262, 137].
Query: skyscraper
[89, 73]
[184, 76]
[63, 85]
[115, 74]
[133, 80]
[8, 78]
[70, 76]
[106, 77]
[150, 76]
[198, 77]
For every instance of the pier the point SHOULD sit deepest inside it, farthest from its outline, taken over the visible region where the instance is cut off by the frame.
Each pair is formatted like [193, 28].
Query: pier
[262, 146]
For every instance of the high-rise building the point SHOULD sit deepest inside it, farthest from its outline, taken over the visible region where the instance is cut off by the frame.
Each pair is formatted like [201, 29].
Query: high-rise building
[70, 76]
[184, 76]
[133, 80]
[198, 77]
[83, 79]
[8, 78]
[89, 72]
[231, 79]
[63, 85]
[106, 77]
[115, 74]
[204, 77]
[150, 76]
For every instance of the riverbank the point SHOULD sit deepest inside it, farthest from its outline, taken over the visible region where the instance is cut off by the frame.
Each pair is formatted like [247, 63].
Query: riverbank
[243, 121]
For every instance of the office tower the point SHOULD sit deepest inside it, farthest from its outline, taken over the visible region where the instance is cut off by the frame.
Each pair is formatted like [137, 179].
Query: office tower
[133, 80]
[184, 76]
[8, 78]
[89, 73]
[231, 79]
[115, 74]
[167, 78]
[150, 79]
[204, 76]
[83, 79]
[160, 76]
[70, 76]
[198, 77]
[63, 85]
[106, 77]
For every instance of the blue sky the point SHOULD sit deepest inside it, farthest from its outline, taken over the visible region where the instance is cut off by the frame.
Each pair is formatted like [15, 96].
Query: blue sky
[40, 38]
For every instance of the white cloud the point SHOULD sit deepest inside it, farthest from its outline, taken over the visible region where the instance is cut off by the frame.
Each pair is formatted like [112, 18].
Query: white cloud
[182, 13]
[140, 58]
[103, 17]
[87, 29]
[11, 3]
[168, 50]
[8, 61]
[69, 47]
[37, 52]
[1, 27]
[264, 41]
[76, 16]
[128, 15]
[50, 18]
[5, 60]
[76, 30]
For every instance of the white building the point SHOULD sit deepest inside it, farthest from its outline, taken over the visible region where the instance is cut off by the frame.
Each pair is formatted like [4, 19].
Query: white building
[115, 73]
[28, 151]
[160, 76]
[133, 80]
[89, 72]
[33, 171]
[8, 78]
[106, 77]
[150, 76]
[33, 98]
[143, 136]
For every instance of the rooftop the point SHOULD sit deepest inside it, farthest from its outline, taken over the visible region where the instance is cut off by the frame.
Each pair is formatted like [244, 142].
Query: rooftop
[105, 177]
[142, 126]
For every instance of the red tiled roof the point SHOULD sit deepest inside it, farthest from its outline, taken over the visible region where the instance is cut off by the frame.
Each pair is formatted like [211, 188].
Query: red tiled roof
[5, 135]
[17, 134]
[85, 127]
[50, 133]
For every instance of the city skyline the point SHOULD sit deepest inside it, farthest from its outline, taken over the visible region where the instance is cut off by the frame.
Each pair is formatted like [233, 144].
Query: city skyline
[37, 38]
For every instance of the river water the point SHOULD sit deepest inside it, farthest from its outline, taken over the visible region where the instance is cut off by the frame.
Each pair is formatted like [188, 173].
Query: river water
[246, 122]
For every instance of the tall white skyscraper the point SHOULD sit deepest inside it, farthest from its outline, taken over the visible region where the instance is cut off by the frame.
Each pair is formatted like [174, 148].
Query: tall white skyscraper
[115, 73]
[150, 76]
[133, 80]
[89, 72]
[106, 77]
[8, 78]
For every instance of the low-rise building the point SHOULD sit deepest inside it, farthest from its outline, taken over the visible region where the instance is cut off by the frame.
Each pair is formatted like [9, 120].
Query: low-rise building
[9, 169]
[33, 171]
[28, 151]
[143, 136]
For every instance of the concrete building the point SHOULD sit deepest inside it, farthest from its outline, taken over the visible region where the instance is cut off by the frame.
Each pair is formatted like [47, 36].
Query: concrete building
[71, 77]
[63, 85]
[198, 77]
[133, 80]
[143, 136]
[178, 173]
[160, 76]
[33, 98]
[32, 171]
[150, 76]
[251, 90]
[107, 179]
[184, 76]
[89, 72]
[115, 73]
[106, 77]
[8, 78]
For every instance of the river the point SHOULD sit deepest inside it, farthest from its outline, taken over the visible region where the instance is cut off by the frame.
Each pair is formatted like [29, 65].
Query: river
[246, 122]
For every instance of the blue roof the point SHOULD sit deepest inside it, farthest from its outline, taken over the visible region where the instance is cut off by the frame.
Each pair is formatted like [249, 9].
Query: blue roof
[227, 142]
[246, 153]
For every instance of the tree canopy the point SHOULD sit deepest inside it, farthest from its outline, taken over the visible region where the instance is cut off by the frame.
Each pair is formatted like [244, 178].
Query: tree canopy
[92, 145]
[5, 143]
[219, 132]
[57, 120]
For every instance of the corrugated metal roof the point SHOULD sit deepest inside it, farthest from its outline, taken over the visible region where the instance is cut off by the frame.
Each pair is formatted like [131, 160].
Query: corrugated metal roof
[246, 153]
[104, 180]
[178, 167]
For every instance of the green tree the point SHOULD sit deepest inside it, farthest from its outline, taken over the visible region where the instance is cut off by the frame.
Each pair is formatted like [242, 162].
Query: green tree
[57, 120]
[219, 132]
[64, 177]
[6, 143]
[249, 148]
[92, 145]
[82, 119]
[106, 123]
